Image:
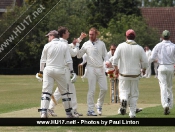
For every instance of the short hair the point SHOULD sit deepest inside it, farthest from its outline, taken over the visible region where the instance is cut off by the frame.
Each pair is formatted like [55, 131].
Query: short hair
[61, 31]
[94, 29]
[131, 37]
[113, 45]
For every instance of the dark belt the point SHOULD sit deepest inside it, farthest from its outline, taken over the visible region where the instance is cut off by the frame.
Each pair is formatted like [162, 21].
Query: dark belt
[133, 76]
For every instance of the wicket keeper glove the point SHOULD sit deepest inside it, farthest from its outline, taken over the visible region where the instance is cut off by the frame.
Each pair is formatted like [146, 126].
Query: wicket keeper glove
[39, 76]
[73, 77]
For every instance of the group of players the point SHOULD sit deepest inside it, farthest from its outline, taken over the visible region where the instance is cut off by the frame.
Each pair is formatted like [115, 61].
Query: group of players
[56, 65]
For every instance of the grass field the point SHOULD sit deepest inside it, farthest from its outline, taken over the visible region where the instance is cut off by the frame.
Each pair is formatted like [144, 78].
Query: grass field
[24, 92]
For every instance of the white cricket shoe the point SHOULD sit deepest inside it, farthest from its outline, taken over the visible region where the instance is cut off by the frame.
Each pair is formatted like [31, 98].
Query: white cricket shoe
[99, 110]
[44, 115]
[91, 113]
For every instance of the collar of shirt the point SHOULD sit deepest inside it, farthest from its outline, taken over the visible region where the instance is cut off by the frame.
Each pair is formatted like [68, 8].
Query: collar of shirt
[166, 41]
[63, 40]
[130, 41]
[94, 41]
[55, 39]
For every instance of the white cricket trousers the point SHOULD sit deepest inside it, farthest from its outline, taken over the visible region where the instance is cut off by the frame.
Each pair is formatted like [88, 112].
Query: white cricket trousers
[148, 71]
[70, 88]
[155, 68]
[96, 75]
[128, 90]
[49, 75]
[165, 76]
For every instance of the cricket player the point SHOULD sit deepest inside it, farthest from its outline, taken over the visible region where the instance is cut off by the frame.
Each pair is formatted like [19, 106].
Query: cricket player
[165, 53]
[130, 55]
[73, 49]
[52, 65]
[148, 55]
[96, 52]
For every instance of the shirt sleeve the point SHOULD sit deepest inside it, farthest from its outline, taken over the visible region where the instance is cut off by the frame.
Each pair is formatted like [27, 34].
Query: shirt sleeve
[73, 51]
[116, 56]
[105, 55]
[43, 58]
[154, 54]
[144, 60]
[82, 51]
[68, 58]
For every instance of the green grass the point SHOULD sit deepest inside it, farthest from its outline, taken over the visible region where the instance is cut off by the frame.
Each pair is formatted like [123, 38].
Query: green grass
[21, 92]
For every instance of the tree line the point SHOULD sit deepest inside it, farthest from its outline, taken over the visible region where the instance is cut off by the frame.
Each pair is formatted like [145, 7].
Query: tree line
[111, 17]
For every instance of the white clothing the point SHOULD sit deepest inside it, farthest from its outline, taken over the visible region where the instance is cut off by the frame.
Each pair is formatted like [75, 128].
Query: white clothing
[148, 69]
[96, 75]
[55, 54]
[131, 57]
[50, 55]
[96, 53]
[155, 68]
[109, 54]
[128, 90]
[165, 53]
[71, 87]
[84, 59]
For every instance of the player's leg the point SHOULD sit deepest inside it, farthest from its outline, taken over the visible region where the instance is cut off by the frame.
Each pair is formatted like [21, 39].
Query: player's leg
[170, 75]
[132, 101]
[48, 83]
[155, 69]
[52, 104]
[66, 99]
[74, 98]
[163, 90]
[102, 82]
[91, 76]
[124, 88]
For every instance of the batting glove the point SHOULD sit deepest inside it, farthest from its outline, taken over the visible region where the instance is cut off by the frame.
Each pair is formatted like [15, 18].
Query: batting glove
[39, 76]
[73, 77]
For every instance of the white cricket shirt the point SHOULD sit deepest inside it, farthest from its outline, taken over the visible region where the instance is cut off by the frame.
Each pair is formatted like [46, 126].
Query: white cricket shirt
[55, 54]
[96, 53]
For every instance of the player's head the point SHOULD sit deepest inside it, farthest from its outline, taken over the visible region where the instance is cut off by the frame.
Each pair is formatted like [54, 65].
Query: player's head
[146, 48]
[93, 33]
[130, 34]
[113, 48]
[51, 35]
[63, 32]
[166, 35]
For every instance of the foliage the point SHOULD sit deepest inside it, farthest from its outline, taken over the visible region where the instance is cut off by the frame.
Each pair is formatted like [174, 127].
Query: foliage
[112, 18]
[115, 33]
[159, 3]
[28, 51]
[102, 11]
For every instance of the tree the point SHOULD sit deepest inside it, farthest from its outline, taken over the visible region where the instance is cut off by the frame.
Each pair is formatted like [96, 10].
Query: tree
[102, 11]
[158, 3]
[27, 53]
[115, 33]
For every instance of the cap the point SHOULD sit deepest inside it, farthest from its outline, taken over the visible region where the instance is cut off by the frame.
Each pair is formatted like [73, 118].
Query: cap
[165, 33]
[53, 32]
[130, 32]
